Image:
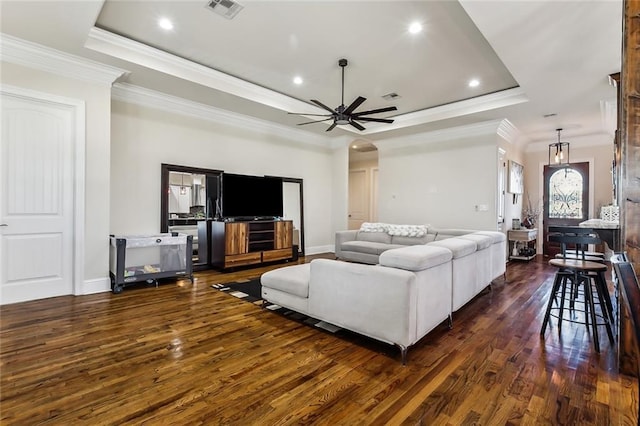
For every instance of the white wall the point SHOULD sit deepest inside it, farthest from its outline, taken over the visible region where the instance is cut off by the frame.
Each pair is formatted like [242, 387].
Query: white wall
[340, 189]
[97, 98]
[143, 138]
[439, 182]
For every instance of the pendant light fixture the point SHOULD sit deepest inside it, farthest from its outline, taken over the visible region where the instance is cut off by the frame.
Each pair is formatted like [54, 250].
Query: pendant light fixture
[183, 189]
[559, 153]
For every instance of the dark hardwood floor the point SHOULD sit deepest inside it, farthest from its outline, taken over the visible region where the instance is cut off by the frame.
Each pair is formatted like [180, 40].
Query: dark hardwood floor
[188, 354]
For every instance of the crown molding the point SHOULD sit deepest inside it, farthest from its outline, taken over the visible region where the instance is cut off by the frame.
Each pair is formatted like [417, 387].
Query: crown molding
[579, 141]
[475, 130]
[488, 102]
[32, 55]
[130, 93]
[509, 132]
[129, 50]
[609, 114]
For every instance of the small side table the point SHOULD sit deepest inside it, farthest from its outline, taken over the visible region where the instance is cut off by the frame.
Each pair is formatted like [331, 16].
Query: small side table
[522, 243]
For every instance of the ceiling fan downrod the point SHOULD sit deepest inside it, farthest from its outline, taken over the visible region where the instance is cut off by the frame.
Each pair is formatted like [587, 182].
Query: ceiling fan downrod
[342, 63]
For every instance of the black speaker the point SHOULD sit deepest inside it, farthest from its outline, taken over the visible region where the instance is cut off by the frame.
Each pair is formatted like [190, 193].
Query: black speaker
[295, 253]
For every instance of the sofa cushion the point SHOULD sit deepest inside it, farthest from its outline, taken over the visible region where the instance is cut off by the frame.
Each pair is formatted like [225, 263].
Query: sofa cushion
[482, 241]
[368, 247]
[408, 230]
[415, 258]
[497, 236]
[444, 233]
[291, 279]
[458, 246]
[374, 237]
[411, 241]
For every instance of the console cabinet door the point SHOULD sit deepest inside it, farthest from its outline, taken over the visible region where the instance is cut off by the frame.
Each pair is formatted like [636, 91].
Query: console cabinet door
[284, 234]
[236, 238]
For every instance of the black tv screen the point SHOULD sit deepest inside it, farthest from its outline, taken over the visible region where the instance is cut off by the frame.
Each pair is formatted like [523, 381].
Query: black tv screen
[251, 196]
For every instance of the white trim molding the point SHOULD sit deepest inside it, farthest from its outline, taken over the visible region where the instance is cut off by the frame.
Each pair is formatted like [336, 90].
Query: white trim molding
[609, 113]
[32, 55]
[437, 136]
[97, 285]
[455, 109]
[319, 250]
[130, 93]
[129, 50]
[583, 141]
[509, 132]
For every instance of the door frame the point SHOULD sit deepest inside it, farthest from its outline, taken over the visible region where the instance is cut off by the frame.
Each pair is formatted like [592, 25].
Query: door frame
[591, 161]
[78, 108]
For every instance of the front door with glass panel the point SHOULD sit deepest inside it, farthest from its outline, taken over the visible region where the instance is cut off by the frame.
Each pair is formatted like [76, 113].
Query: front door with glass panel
[566, 199]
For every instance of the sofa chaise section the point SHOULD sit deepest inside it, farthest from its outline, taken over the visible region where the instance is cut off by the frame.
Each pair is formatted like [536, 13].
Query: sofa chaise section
[397, 302]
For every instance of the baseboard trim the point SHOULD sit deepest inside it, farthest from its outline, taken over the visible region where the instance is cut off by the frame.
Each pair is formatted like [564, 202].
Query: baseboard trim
[319, 249]
[97, 285]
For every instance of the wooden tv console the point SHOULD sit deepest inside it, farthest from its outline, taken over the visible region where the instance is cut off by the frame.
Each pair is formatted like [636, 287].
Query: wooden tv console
[241, 243]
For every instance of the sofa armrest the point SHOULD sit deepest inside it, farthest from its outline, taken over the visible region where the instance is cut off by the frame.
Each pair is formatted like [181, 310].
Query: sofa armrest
[343, 237]
[376, 301]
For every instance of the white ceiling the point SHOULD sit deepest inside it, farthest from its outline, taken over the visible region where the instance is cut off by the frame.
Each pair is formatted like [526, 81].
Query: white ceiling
[532, 57]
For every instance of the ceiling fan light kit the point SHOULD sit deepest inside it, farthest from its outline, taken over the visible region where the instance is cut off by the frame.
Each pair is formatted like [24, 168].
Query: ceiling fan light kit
[342, 115]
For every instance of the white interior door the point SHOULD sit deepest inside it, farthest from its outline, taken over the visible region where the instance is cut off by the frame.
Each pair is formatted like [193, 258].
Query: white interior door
[358, 198]
[37, 199]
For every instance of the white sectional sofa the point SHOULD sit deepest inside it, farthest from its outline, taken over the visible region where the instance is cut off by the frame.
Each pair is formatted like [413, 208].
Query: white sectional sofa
[398, 301]
[402, 286]
[368, 243]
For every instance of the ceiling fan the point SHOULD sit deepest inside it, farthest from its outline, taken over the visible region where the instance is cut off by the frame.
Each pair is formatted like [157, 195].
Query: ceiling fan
[346, 115]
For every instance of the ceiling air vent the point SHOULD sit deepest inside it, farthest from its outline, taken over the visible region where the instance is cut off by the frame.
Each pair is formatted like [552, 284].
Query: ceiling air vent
[391, 96]
[227, 8]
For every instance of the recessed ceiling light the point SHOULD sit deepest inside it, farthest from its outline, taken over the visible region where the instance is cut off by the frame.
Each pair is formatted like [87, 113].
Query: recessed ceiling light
[415, 28]
[474, 82]
[165, 24]
[297, 80]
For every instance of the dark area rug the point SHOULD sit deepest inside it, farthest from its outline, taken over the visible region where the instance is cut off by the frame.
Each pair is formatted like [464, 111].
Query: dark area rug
[251, 291]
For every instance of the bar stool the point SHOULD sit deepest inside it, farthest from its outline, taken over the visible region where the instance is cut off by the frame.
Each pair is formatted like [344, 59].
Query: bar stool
[583, 254]
[574, 252]
[574, 273]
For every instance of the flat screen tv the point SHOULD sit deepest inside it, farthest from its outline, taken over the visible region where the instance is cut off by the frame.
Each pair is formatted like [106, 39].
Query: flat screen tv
[251, 196]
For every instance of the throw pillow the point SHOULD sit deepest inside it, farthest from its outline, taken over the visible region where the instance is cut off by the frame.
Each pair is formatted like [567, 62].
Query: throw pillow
[408, 230]
[374, 227]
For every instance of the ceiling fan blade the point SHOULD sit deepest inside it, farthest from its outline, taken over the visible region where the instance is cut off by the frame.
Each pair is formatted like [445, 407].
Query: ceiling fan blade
[320, 104]
[356, 125]
[304, 113]
[377, 120]
[355, 104]
[331, 127]
[375, 111]
[315, 121]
